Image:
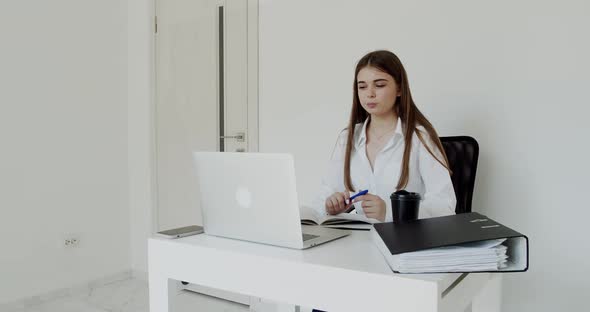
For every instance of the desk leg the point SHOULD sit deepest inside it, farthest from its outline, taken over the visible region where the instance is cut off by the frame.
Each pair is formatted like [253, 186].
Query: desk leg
[490, 297]
[161, 291]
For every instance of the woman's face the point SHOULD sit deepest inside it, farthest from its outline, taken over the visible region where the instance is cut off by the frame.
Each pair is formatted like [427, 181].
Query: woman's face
[377, 91]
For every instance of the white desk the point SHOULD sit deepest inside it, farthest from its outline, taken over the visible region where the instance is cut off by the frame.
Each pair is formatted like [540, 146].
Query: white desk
[348, 274]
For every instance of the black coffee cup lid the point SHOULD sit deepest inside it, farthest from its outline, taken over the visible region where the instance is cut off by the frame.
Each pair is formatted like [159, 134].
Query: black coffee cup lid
[403, 194]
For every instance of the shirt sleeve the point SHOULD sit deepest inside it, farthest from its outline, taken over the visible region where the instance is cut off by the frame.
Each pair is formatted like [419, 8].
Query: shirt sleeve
[333, 178]
[439, 195]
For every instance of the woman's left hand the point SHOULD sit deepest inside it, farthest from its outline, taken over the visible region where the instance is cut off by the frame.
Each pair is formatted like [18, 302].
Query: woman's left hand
[373, 206]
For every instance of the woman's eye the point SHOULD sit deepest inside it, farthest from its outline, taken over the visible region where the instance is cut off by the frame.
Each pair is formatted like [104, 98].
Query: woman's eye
[362, 87]
[380, 86]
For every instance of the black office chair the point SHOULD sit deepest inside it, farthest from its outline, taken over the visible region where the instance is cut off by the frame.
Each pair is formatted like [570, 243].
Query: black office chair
[462, 152]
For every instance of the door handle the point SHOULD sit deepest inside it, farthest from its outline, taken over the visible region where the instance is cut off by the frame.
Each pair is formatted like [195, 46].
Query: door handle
[240, 136]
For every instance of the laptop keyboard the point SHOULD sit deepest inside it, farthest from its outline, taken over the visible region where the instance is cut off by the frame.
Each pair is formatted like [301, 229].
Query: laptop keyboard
[308, 236]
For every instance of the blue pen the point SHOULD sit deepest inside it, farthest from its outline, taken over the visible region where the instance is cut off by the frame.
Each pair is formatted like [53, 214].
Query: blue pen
[361, 193]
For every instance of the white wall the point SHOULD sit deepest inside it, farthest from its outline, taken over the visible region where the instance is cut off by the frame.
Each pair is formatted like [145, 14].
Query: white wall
[512, 74]
[63, 128]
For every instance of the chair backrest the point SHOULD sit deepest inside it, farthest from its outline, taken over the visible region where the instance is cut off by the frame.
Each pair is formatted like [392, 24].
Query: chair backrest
[462, 152]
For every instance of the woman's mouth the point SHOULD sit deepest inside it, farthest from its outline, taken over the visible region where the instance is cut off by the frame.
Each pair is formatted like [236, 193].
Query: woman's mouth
[371, 105]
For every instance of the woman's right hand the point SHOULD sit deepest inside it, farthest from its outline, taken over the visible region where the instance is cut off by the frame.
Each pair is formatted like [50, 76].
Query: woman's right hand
[336, 203]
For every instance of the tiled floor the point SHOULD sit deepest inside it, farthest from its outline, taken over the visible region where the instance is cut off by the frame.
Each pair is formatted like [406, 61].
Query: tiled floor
[130, 295]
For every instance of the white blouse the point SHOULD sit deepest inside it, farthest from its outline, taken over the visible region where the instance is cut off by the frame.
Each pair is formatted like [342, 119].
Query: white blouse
[426, 175]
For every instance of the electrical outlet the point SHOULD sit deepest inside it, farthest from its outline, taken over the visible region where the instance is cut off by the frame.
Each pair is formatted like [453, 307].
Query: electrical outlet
[71, 241]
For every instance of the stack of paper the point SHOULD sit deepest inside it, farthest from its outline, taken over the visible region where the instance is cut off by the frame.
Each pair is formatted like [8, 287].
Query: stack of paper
[488, 255]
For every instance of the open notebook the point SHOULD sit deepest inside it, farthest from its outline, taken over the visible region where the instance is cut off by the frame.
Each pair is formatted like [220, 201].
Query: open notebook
[353, 221]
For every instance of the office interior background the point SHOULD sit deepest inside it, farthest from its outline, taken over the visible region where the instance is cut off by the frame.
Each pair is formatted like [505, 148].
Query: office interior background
[76, 123]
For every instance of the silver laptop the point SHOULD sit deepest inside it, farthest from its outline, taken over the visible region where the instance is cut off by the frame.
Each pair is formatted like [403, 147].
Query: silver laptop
[253, 197]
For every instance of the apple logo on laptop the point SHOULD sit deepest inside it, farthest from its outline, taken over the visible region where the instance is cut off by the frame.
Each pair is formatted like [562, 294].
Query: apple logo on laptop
[243, 197]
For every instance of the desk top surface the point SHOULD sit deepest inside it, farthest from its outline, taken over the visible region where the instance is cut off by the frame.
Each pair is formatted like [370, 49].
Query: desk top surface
[354, 252]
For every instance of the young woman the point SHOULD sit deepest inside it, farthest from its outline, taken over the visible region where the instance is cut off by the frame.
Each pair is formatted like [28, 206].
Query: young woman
[388, 145]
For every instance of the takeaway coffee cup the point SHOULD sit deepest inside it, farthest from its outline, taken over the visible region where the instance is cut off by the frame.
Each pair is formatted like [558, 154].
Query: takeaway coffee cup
[404, 206]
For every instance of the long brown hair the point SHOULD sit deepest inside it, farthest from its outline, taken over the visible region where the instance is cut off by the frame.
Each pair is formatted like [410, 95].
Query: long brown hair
[404, 107]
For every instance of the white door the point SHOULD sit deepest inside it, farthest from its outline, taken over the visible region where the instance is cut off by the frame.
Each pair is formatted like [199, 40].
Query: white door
[206, 89]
